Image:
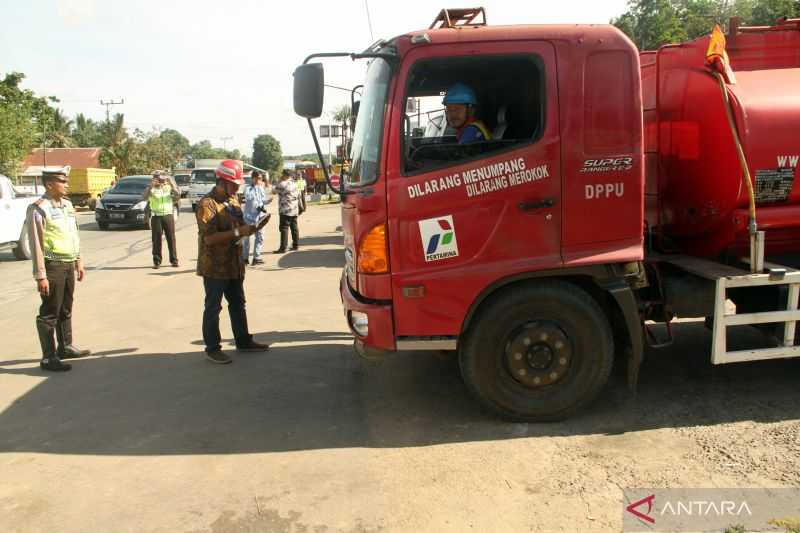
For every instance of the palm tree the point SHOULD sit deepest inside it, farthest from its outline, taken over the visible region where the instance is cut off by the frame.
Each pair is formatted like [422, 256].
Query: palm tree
[59, 130]
[85, 131]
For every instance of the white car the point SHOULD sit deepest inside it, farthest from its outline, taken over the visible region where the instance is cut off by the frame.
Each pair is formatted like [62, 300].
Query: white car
[13, 210]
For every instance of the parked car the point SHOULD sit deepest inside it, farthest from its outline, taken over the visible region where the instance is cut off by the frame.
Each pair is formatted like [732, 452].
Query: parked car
[124, 204]
[183, 181]
[13, 210]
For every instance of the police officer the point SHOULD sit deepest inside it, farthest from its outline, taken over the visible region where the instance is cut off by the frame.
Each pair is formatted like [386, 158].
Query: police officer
[300, 182]
[55, 247]
[161, 196]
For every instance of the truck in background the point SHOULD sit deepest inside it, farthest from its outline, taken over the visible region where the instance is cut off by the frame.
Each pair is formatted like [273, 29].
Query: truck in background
[617, 191]
[203, 179]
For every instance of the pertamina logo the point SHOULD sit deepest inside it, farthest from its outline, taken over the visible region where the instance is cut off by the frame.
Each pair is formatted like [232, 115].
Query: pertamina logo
[438, 238]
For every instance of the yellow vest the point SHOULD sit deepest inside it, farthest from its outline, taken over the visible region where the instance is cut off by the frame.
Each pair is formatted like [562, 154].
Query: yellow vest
[160, 201]
[61, 241]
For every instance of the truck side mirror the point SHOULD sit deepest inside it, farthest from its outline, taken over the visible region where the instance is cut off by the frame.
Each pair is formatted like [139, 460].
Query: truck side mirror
[354, 115]
[309, 90]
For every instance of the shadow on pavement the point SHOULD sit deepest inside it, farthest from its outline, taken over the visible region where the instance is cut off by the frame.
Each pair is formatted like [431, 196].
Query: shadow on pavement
[312, 259]
[314, 241]
[172, 272]
[319, 396]
[307, 335]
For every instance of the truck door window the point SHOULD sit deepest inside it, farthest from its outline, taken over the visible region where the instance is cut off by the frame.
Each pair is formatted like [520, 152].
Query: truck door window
[510, 108]
[367, 137]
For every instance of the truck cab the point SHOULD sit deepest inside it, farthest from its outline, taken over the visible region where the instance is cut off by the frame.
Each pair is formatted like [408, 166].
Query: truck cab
[525, 251]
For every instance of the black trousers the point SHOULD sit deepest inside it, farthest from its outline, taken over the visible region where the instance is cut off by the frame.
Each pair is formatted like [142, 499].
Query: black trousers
[286, 222]
[55, 313]
[163, 224]
[233, 290]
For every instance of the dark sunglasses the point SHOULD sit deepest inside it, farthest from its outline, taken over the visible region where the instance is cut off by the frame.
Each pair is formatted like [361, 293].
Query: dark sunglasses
[61, 180]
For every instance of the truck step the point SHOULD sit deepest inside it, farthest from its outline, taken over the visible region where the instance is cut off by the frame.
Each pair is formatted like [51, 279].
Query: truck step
[728, 277]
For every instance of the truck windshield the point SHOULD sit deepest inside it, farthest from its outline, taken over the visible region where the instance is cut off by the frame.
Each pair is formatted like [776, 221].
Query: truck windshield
[369, 125]
[204, 176]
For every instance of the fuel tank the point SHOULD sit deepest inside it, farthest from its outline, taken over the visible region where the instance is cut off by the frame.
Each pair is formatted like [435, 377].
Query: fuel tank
[696, 196]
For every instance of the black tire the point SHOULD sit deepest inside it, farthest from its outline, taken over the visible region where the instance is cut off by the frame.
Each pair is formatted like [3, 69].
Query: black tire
[575, 368]
[22, 250]
[102, 225]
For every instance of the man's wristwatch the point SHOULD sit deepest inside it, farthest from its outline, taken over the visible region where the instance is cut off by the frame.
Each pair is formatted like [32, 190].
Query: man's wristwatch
[236, 232]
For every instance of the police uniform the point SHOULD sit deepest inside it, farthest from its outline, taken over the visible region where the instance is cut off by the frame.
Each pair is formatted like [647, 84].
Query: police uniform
[55, 245]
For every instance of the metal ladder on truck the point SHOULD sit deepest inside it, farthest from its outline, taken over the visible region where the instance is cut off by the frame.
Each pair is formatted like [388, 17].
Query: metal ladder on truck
[727, 277]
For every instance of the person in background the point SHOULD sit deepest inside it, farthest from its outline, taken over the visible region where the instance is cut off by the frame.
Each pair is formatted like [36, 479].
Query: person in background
[460, 109]
[288, 209]
[300, 182]
[55, 245]
[255, 209]
[161, 196]
[220, 226]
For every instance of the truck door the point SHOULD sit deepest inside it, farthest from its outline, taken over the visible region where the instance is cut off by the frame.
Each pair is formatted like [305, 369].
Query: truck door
[464, 216]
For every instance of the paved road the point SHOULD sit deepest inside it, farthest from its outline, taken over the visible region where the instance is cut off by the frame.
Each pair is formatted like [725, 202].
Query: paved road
[147, 436]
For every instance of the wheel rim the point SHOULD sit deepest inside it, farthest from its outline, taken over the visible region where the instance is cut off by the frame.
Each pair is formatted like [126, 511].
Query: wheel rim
[538, 354]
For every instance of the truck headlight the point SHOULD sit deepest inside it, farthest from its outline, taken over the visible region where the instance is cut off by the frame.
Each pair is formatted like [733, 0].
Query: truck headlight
[141, 205]
[359, 322]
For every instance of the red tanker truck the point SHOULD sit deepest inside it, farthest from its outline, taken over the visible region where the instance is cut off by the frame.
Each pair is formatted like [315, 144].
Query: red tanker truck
[616, 190]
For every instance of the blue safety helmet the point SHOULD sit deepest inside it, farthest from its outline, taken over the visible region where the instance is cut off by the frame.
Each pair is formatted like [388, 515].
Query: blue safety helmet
[460, 93]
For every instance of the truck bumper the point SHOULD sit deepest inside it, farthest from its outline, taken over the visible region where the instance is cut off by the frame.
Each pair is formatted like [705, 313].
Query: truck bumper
[370, 322]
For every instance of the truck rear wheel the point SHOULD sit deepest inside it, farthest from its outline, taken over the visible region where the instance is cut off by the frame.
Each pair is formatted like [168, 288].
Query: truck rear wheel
[538, 353]
[23, 249]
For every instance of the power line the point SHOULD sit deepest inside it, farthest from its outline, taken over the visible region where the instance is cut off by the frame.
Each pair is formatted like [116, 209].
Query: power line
[369, 22]
[225, 142]
[108, 105]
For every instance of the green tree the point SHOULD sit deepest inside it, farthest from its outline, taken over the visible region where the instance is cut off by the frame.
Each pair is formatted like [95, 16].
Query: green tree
[652, 23]
[204, 150]
[85, 132]
[22, 116]
[58, 130]
[118, 147]
[267, 153]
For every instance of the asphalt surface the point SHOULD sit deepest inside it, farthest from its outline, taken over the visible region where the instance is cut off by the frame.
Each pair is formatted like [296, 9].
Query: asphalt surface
[146, 435]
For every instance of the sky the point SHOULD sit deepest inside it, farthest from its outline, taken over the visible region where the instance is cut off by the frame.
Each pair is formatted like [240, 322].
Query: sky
[220, 69]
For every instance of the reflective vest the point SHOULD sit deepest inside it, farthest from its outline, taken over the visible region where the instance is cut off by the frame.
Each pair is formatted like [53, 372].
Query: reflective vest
[61, 241]
[160, 201]
[301, 184]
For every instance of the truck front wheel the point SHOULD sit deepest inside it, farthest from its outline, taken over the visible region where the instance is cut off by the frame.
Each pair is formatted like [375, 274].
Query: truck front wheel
[539, 352]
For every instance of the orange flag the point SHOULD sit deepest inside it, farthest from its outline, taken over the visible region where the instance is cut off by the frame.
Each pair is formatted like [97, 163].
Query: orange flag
[717, 57]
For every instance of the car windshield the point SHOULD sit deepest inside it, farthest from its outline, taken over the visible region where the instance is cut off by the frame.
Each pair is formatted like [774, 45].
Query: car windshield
[130, 186]
[182, 179]
[369, 125]
[204, 176]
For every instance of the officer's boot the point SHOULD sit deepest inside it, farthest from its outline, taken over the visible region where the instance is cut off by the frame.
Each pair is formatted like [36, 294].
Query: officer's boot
[50, 360]
[67, 350]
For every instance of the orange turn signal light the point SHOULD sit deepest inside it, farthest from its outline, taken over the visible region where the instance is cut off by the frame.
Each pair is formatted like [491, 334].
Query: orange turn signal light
[373, 254]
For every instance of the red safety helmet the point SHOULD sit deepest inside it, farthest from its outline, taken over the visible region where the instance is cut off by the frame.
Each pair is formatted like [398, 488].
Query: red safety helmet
[229, 170]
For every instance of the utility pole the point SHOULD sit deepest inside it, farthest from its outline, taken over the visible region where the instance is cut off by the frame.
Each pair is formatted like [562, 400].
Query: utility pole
[225, 142]
[108, 105]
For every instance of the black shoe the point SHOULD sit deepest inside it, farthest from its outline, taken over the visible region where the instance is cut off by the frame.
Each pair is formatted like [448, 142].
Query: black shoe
[175, 264]
[295, 248]
[54, 364]
[72, 352]
[156, 266]
[253, 346]
[219, 357]
[280, 251]
[258, 262]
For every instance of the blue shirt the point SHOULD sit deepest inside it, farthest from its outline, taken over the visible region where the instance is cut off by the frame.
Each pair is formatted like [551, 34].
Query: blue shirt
[470, 134]
[254, 199]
